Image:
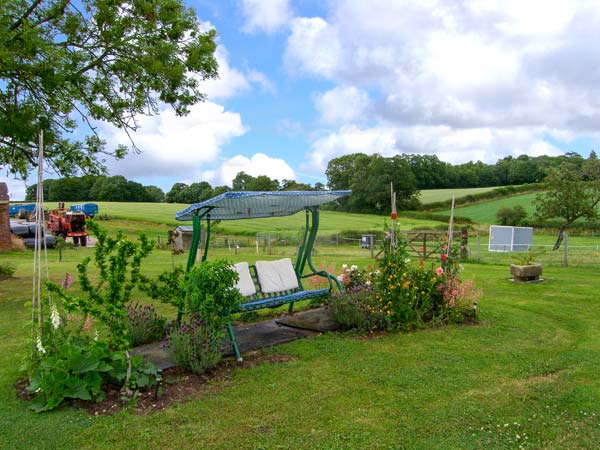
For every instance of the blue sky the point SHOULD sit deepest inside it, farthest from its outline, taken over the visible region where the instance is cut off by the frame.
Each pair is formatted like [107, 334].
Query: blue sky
[302, 82]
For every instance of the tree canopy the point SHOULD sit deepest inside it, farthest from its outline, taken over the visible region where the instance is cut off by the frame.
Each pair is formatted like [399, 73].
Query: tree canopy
[573, 193]
[65, 63]
[96, 188]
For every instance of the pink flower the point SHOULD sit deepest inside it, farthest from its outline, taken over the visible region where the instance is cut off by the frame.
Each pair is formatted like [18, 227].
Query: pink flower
[439, 271]
[66, 284]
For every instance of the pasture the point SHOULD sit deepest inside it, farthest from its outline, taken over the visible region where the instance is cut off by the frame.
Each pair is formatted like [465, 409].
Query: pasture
[524, 377]
[485, 212]
[440, 195]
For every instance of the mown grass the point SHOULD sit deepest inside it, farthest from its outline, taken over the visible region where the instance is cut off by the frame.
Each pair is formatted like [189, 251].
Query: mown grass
[440, 195]
[485, 212]
[145, 215]
[526, 375]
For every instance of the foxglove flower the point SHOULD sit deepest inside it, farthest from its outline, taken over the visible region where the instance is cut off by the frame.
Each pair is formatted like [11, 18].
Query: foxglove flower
[39, 345]
[55, 317]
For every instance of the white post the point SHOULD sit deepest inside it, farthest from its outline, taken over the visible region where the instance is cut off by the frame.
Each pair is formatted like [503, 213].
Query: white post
[566, 249]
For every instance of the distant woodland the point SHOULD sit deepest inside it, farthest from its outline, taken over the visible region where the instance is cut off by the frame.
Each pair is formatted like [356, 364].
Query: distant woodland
[368, 176]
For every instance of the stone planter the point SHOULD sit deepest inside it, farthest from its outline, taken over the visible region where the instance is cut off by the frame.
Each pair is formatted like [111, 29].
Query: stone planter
[530, 272]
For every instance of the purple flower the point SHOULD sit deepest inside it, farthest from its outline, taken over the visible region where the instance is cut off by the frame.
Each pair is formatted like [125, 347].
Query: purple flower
[66, 284]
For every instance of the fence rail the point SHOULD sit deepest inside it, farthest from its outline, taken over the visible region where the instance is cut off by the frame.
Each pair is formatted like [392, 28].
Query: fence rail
[576, 250]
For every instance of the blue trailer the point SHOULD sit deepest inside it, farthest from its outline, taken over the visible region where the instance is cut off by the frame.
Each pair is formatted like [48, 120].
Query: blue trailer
[13, 210]
[89, 209]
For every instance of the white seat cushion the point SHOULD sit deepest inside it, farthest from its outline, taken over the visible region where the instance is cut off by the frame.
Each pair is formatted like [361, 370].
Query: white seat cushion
[276, 276]
[245, 284]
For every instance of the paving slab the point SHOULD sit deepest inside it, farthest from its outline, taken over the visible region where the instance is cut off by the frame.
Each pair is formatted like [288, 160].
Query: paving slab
[255, 336]
[262, 335]
[312, 319]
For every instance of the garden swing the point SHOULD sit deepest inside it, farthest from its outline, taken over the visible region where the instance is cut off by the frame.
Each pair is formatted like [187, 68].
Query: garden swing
[267, 284]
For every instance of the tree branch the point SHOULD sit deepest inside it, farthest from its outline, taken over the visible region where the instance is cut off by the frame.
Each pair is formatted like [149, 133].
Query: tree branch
[24, 17]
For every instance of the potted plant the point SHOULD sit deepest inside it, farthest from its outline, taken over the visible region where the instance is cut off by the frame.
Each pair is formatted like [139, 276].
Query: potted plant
[526, 269]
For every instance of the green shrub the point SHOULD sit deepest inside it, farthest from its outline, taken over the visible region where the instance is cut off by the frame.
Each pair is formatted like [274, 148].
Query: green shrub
[118, 260]
[145, 325]
[355, 309]
[511, 216]
[209, 292]
[69, 364]
[7, 270]
[409, 298]
[194, 344]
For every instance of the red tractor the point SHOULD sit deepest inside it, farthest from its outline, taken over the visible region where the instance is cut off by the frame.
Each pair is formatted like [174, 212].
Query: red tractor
[68, 224]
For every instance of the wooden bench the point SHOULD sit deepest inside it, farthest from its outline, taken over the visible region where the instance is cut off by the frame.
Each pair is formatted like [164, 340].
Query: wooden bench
[269, 284]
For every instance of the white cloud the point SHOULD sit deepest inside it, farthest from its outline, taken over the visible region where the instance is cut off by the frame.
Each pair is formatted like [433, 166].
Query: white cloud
[467, 80]
[266, 15]
[16, 188]
[451, 145]
[258, 164]
[262, 80]
[350, 139]
[342, 104]
[176, 146]
[313, 47]
[233, 82]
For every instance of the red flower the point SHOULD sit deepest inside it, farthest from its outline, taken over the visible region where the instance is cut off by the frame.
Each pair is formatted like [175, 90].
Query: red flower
[444, 257]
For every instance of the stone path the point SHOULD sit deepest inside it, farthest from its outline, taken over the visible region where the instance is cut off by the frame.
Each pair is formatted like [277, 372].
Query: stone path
[257, 335]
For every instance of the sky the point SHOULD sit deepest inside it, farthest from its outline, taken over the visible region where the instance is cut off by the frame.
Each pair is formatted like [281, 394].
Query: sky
[302, 82]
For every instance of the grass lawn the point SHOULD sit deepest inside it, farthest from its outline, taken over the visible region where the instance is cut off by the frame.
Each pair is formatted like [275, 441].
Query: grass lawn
[527, 376]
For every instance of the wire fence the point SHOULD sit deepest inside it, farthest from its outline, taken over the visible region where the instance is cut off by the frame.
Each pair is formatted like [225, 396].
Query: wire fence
[576, 250]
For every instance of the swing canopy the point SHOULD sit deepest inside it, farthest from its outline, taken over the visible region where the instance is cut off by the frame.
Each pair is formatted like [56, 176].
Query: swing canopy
[235, 205]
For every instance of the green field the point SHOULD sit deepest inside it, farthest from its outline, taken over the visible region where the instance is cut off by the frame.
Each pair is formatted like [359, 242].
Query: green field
[440, 195]
[525, 377]
[485, 212]
[145, 216]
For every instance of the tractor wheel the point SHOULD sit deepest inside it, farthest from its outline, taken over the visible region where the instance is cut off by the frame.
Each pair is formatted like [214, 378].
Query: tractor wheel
[83, 240]
[75, 241]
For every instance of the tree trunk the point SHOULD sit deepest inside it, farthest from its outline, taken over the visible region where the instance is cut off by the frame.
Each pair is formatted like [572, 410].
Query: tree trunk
[559, 238]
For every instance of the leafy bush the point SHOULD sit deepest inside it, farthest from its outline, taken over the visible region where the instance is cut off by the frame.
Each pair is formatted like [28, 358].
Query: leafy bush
[70, 364]
[399, 296]
[166, 287]
[208, 298]
[209, 292]
[409, 298]
[145, 325]
[356, 309]
[7, 270]
[118, 260]
[511, 216]
[194, 344]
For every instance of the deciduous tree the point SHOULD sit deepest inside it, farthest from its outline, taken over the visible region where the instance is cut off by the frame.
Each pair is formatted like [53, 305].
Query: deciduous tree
[573, 193]
[66, 63]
